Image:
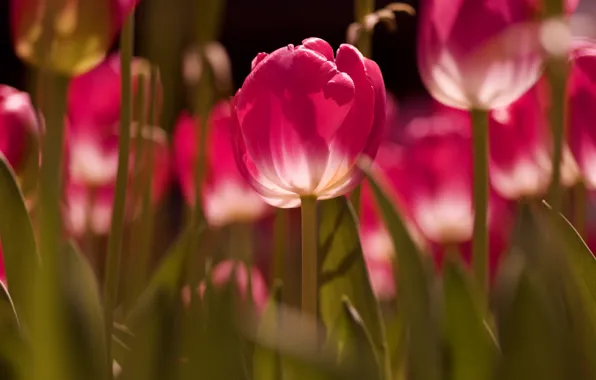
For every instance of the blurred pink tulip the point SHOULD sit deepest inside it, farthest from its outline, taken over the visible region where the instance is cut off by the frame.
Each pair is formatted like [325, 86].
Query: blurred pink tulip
[227, 196]
[82, 31]
[581, 92]
[19, 129]
[434, 196]
[478, 53]
[304, 117]
[221, 275]
[520, 158]
[92, 148]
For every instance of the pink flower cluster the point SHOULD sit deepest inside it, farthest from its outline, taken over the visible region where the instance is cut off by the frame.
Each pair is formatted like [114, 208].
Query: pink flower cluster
[306, 114]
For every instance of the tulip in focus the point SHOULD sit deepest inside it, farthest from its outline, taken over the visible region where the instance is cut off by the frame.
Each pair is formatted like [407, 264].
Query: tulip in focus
[19, 129]
[227, 196]
[92, 148]
[581, 92]
[304, 117]
[221, 275]
[478, 54]
[70, 36]
[520, 158]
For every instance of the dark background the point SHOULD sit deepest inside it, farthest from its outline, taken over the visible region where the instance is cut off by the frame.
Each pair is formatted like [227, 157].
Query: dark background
[165, 28]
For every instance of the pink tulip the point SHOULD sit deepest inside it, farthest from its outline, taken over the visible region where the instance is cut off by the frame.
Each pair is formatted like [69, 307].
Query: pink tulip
[227, 196]
[430, 175]
[304, 117]
[92, 149]
[221, 276]
[434, 196]
[19, 128]
[520, 157]
[581, 92]
[478, 53]
[82, 31]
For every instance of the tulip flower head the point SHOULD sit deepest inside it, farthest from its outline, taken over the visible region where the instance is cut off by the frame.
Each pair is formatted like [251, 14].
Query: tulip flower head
[92, 148]
[477, 53]
[67, 36]
[520, 158]
[581, 92]
[227, 196]
[19, 128]
[303, 117]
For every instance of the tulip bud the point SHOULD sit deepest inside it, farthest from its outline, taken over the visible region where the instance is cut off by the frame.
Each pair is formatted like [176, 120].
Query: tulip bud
[67, 36]
[478, 53]
[304, 117]
[222, 275]
[19, 129]
[227, 197]
[581, 92]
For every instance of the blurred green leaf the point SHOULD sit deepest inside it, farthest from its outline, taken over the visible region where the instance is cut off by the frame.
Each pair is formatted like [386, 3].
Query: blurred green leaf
[344, 273]
[167, 278]
[396, 342]
[83, 317]
[266, 361]
[465, 329]
[531, 337]
[19, 250]
[156, 318]
[424, 360]
[355, 347]
[12, 356]
[580, 286]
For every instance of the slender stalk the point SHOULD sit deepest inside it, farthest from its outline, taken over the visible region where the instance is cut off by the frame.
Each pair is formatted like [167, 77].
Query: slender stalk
[147, 212]
[310, 267]
[117, 228]
[363, 8]
[580, 208]
[280, 236]
[556, 71]
[480, 239]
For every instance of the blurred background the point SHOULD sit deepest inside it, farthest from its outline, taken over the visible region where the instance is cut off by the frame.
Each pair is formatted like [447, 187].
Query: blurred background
[249, 27]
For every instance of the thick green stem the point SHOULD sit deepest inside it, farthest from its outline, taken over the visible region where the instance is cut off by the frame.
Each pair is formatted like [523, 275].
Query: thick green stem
[310, 267]
[480, 238]
[112, 275]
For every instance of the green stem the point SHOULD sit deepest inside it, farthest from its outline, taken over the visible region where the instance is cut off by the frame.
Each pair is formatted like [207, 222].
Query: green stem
[117, 228]
[556, 72]
[281, 236]
[480, 238]
[48, 328]
[310, 267]
[580, 208]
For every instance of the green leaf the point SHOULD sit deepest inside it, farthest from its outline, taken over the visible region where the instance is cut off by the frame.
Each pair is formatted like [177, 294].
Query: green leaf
[13, 358]
[465, 329]
[424, 360]
[344, 273]
[579, 284]
[266, 361]
[83, 316]
[531, 336]
[19, 250]
[155, 319]
[354, 345]
[167, 278]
